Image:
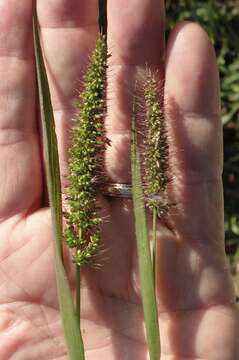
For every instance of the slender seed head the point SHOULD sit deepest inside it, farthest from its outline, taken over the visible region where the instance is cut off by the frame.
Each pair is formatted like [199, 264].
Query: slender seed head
[156, 151]
[88, 143]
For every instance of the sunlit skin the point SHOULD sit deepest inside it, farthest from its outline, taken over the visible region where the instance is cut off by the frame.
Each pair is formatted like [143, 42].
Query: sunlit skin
[197, 313]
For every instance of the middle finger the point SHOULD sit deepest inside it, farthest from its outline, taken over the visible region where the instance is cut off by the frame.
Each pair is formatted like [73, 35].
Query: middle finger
[135, 40]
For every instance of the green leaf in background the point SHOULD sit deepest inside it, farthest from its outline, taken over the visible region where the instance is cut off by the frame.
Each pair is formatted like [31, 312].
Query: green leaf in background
[69, 317]
[144, 254]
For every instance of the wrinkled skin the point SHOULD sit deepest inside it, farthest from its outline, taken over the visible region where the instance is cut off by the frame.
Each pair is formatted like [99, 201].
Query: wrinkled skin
[197, 314]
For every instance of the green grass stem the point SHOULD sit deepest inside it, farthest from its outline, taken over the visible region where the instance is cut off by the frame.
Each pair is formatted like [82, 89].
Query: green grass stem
[78, 291]
[154, 241]
[144, 253]
[78, 285]
[69, 317]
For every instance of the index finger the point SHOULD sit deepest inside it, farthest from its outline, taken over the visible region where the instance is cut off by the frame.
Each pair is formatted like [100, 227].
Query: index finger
[69, 31]
[20, 176]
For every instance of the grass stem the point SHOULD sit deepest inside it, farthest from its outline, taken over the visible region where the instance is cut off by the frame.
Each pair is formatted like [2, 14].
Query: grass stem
[144, 254]
[78, 291]
[78, 284]
[154, 241]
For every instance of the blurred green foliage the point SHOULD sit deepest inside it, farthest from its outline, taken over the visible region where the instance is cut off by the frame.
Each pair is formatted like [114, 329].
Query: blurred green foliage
[221, 21]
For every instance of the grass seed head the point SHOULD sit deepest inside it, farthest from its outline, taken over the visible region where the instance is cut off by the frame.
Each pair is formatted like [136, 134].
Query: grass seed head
[88, 143]
[156, 151]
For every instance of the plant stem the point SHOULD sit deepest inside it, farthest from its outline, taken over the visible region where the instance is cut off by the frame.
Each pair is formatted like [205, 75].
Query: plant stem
[78, 292]
[144, 254]
[154, 241]
[103, 16]
[66, 305]
[78, 287]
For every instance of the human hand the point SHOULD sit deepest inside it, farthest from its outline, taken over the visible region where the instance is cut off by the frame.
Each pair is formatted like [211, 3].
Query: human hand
[194, 286]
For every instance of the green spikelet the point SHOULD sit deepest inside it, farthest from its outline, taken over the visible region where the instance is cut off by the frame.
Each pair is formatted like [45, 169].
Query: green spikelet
[86, 157]
[156, 151]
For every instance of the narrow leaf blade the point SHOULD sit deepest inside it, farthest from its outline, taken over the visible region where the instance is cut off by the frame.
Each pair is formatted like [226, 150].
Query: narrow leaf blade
[68, 313]
[144, 254]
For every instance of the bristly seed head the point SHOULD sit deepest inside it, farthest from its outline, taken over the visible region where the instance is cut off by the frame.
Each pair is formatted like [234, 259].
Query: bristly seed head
[88, 143]
[156, 150]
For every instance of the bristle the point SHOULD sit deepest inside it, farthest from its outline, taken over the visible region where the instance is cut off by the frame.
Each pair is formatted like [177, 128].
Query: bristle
[88, 143]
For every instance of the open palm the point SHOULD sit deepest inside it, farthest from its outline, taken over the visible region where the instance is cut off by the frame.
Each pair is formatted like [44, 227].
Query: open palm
[198, 318]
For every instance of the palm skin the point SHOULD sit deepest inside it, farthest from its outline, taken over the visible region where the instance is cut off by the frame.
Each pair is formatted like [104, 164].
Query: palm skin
[198, 317]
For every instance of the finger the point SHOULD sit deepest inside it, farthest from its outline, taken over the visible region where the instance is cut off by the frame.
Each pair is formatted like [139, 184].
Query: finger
[192, 273]
[20, 175]
[69, 31]
[193, 116]
[135, 39]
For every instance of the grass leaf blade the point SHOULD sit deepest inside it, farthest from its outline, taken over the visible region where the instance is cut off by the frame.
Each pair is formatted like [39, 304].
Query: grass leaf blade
[68, 313]
[144, 254]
